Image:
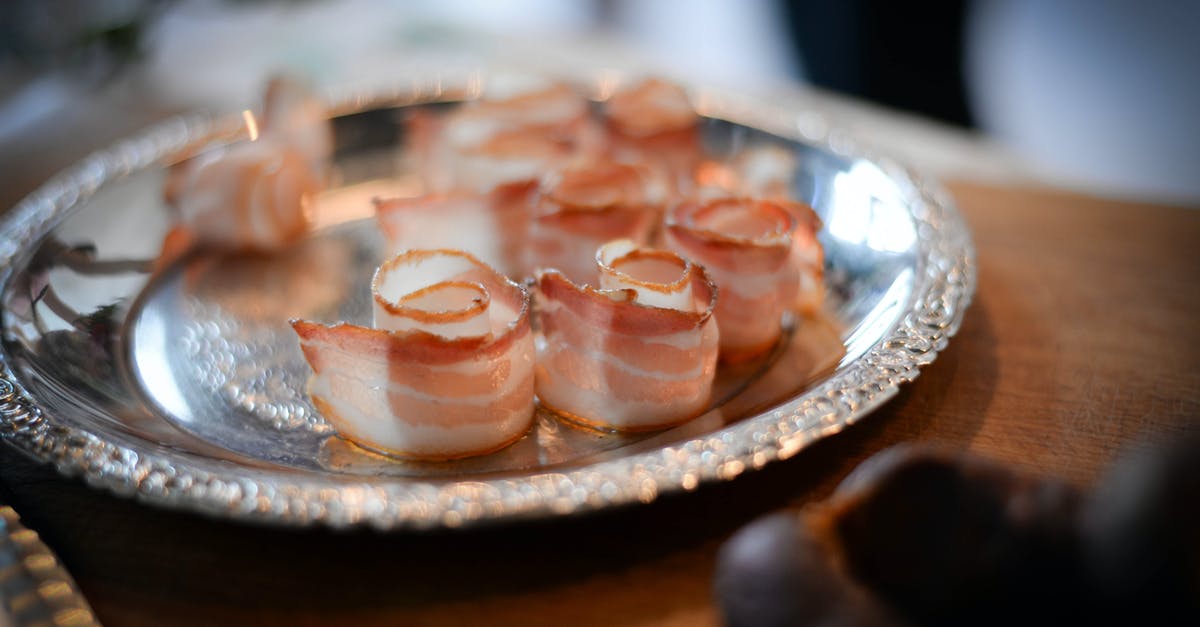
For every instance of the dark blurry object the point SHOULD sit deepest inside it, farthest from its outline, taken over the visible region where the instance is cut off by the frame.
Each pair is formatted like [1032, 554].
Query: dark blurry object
[938, 538]
[952, 540]
[91, 39]
[778, 571]
[906, 55]
[1141, 537]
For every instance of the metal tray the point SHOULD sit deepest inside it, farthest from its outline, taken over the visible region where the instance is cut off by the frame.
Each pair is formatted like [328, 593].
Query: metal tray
[184, 387]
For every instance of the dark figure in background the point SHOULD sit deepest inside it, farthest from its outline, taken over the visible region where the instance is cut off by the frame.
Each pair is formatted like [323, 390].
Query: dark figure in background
[906, 55]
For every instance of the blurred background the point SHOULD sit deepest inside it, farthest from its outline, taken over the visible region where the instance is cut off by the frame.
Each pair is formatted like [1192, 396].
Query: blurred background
[1099, 96]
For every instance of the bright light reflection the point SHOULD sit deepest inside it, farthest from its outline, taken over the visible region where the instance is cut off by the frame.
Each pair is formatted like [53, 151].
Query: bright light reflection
[867, 209]
[251, 124]
[876, 323]
[150, 353]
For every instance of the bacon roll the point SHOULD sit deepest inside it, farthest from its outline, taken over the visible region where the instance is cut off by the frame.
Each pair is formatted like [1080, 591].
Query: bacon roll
[519, 128]
[447, 370]
[578, 209]
[763, 171]
[491, 226]
[637, 353]
[756, 251]
[256, 194]
[294, 116]
[653, 122]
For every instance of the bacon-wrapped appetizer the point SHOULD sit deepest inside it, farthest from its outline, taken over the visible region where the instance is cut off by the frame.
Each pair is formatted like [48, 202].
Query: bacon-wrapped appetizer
[248, 196]
[519, 128]
[638, 353]
[491, 226]
[292, 115]
[755, 250]
[809, 258]
[762, 171]
[447, 371]
[256, 194]
[510, 101]
[577, 209]
[653, 122]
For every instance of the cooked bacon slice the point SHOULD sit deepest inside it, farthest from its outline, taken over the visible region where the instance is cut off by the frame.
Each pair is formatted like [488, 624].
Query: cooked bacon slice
[809, 258]
[533, 102]
[762, 171]
[479, 164]
[638, 353]
[766, 171]
[447, 371]
[491, 226]
[252, 195]
[519, 128]
[769, 172]
[651, 107]
[256, 194]
[578, 209]
[754, 251]
[653, 122]
[293, 115]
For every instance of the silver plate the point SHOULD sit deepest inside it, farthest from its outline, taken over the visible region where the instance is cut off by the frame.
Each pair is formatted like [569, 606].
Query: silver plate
[185, 387]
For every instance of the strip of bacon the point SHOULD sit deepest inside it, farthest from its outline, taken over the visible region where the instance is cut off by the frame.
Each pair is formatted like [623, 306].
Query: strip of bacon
[530, 101]
[761, 171]
[256, 194]
[252, 195]
[297, 118]
[769, 172]
[640, 352]
[808, 256]
[519, 128]
[447, 371]
[480, 163]
[578, 209]
[653, 122]
[491, 226]
[752, 248]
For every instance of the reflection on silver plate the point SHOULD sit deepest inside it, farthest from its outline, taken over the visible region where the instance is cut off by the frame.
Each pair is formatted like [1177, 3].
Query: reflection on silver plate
[184, 386]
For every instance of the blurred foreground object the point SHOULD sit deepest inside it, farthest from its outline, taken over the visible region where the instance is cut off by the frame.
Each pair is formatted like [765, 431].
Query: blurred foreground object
[916, 536]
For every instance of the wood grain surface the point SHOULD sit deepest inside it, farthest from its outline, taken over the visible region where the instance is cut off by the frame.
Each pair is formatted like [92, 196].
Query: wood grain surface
[1083, 340]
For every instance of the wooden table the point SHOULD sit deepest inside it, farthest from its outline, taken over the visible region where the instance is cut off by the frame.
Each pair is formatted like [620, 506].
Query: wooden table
[1083, 339]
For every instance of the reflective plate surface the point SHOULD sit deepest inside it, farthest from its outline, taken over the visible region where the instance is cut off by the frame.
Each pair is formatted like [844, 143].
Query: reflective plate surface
[184, 385]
